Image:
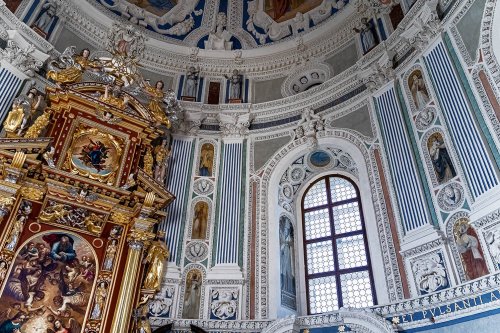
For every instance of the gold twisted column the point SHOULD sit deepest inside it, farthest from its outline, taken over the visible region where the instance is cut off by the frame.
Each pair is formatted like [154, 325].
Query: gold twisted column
[128, 290]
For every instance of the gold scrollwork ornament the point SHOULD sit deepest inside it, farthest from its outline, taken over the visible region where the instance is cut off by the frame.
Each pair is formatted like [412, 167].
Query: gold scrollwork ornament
[32, 193]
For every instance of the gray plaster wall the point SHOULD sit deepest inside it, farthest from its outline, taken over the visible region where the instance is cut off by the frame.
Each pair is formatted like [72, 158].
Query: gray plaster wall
[358, 120]
[344, 59]
[265, 91]
[264, 150]
[68, 38]
[469, 27]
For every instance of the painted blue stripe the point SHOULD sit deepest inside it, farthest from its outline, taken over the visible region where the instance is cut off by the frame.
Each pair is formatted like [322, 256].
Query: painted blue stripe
[477, 166]
[229, 215]
[406, 182]
[177, 183]
[9, 86]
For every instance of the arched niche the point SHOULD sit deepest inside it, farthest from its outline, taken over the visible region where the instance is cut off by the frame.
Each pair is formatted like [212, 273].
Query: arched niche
[269, 219]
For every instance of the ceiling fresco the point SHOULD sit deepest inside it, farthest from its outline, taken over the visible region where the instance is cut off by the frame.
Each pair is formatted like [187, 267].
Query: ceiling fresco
[225, 24]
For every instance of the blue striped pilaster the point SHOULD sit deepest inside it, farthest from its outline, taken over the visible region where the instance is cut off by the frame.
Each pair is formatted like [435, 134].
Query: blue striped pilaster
[405, 179]
[230, 183]
[179, 177]
[10, 83]
[478, 168]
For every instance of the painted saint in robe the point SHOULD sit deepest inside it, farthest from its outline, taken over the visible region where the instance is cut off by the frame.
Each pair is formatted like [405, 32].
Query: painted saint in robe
[206, 160]
[470, 250]
[192, 295]
[418, 89]
[282, 10]
[200, 221]
[440, 158]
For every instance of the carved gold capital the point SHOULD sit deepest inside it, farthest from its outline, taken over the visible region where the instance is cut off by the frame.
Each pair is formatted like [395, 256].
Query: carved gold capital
[120, 218]
[140, 237]
[18, 160]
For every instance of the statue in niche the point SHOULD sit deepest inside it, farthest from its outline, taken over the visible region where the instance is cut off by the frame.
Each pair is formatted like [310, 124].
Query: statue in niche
[109, 259]
[200, 221]
[191, 308]
[47, 16]
[470, 250]
[192, 77]
[22, 216]
[219, 38]
[101, 294]
[206, 160]
[418, 89]
[287, 262]
[367, 35]
[24, 109]
[235, 80]
[441, 160]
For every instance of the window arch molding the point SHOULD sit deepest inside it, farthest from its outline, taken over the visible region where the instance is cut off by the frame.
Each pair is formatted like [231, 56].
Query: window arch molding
[269, 223]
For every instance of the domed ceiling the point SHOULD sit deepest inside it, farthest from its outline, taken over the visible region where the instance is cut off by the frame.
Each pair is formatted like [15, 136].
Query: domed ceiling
[225, 24]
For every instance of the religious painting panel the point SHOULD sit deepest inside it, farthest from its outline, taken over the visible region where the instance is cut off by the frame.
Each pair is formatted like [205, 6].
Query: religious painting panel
[192, 294]
[46, 290]
[206, 162]
[439, 156]
[156, 7]
[283, 10]
[417, 88]
[95, 153]
[469, 247]
[200, 220]
[287, 263]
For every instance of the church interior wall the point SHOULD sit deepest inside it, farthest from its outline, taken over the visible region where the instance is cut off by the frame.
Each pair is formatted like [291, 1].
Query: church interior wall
[441, 103]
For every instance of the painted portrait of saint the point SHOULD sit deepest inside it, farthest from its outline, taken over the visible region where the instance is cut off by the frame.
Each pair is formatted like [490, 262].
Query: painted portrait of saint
[206, 160]
[157, 7]
[200, 220]
[283, 10]
[191, 308]
[418, 89]
[440, 158]
[470, 250]
[94, 154]
[48, 288]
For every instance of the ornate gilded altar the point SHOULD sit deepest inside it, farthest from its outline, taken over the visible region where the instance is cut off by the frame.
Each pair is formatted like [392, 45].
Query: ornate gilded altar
[80, 201]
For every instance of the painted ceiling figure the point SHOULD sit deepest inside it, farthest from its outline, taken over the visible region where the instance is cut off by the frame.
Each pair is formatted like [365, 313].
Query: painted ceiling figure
[280, 8]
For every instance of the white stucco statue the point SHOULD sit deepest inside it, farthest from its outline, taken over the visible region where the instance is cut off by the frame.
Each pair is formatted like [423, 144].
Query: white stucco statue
[219, 38]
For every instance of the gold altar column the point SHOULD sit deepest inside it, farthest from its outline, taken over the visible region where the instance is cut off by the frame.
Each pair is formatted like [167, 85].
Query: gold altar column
[128, 290]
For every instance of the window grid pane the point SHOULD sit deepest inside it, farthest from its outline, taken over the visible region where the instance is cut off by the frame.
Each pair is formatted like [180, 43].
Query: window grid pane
[341, 189]
[317, 224]
[356, 289]
[337, 262]
[347, 218]
[320, 257]
[351, 252]
[316, 196]
[323, 294]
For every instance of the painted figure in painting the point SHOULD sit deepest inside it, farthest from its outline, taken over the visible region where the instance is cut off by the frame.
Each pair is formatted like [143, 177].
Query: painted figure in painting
[206, 160]
[191, 307]
[14, 324]
[287, 259]
[367, 35]
[440, 158]
[282, 10]
[200, 221]
[47, 284]
[418, 89]
[94, 155]
[470, 250]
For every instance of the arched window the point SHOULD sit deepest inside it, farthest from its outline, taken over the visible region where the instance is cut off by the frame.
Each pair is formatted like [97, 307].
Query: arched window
[338, 270]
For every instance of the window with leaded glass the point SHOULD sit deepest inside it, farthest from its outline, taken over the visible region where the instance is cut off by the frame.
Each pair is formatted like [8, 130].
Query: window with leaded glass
[338, 271]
